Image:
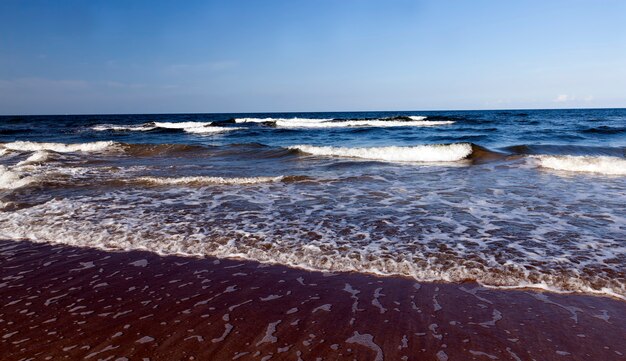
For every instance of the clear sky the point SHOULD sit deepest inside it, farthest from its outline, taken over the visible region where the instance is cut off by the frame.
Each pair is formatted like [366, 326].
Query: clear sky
[60, 57]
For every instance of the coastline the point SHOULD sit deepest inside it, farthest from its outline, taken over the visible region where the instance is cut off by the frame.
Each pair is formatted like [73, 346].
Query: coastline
[78, 303]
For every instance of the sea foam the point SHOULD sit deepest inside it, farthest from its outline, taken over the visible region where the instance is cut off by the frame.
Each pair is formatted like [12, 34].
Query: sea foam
[60, 147]
[410, 121]
[589, 164]
[13, 179]
[418, 153]
[189, 127]
[207, 180]
[39, 156]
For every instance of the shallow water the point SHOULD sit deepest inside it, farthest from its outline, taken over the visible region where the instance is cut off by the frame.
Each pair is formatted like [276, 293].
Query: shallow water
[509, 199]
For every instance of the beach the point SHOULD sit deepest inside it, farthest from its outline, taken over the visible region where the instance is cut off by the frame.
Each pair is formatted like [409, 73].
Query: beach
[62, 302]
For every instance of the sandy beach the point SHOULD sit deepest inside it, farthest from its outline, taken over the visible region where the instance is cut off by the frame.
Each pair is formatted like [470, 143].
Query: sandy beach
[60, 302]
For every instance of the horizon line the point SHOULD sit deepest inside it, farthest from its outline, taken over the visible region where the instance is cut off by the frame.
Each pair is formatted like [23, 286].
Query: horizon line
[312, 112]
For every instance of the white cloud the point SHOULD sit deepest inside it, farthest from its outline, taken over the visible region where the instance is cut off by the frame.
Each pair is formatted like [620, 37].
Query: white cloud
[562, 98]
[565, 98]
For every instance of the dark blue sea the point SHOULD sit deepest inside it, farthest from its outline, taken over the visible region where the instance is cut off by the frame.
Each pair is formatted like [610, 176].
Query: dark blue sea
[511, 199]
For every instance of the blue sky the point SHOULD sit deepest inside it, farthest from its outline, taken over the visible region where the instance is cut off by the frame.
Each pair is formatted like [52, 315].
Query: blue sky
[62, 57]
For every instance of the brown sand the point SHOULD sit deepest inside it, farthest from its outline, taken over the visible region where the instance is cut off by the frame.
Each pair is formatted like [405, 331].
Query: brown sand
[60, 302]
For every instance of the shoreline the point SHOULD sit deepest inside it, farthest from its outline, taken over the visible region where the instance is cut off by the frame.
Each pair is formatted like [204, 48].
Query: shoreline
[68, 302]
[541, 288]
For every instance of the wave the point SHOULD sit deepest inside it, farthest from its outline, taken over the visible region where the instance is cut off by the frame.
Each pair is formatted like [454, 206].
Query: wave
[362, 123]
[565, 149]
[274, 120]
[181, 125]
[604, 129]
[205, 130]
[203, 180]
[13, 179]
[37, 157]
[60, 147]
[419, 153]
[589, 164]
[109, 127]
[399, 121]
[189, 127]
[236, 234]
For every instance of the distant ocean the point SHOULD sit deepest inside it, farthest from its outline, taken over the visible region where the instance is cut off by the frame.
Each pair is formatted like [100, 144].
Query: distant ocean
[528, 198]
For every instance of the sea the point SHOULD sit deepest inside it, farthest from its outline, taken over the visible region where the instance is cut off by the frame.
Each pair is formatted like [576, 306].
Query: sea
[508, 199]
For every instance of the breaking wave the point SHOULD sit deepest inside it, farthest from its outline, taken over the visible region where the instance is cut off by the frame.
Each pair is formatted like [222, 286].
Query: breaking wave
[589, 164]
[189, 127]
[203, 180]
[418, 153]
[403, 121]
[13, 179]
[60, 147]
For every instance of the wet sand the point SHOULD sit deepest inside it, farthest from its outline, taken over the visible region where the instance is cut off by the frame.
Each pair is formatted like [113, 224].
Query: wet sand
[60, 302]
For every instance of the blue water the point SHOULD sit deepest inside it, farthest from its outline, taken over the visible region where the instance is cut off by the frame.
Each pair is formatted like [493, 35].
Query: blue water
[492, 129]
[524, 198]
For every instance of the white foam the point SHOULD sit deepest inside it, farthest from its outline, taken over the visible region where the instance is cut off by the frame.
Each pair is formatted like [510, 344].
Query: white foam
[181, 125]
[140, 128]
[273, 120]
[189, 127]
[39, 156]
[208, 180]
[205, 130]
[277, 234]
[589, 164]
[362, 123]
[13, 179]
[416, 121]
[60, 147]
[418, 153]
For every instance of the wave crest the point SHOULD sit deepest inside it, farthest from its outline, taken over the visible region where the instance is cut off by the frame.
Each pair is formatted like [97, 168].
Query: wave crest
[204, 180]
[13, 179]
[589, 164]
[60, 147]
[419, 153]
[189, 127]
[401, 121]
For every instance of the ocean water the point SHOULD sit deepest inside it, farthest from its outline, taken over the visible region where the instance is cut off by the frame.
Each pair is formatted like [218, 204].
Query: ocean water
[529, 198]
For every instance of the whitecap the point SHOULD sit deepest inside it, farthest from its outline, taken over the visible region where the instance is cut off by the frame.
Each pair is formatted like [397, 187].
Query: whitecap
[202, 180]
[181, 125]
[361, 123]
[37, 157]
[60, 147]
[589, 164]
[418, 153]
[206, 130]
[273, 120]
[13, 179]
[140, 128]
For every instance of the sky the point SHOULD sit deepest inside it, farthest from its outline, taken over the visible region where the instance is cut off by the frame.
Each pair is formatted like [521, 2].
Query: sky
[93, 57]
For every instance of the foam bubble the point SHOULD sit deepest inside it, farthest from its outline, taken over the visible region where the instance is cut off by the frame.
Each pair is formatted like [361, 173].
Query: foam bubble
[418, 153]
[589, 164]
